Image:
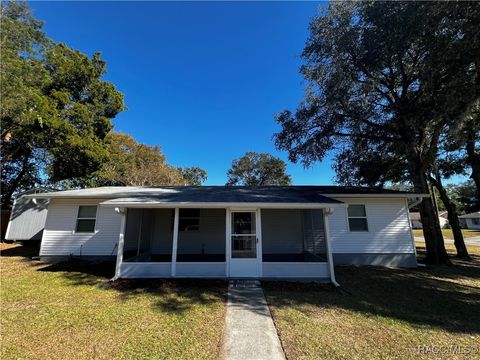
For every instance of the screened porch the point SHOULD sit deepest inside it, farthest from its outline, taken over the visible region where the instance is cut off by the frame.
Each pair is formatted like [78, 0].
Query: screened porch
[149, 243]
[215, 242]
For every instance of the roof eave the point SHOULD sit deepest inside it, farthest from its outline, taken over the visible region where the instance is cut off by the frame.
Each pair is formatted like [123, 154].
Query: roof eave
[408, 195]
[222, 205]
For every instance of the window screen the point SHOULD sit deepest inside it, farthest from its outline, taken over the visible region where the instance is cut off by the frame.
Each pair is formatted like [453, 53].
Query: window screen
[189, 220]
[357, 218]
[86, 219]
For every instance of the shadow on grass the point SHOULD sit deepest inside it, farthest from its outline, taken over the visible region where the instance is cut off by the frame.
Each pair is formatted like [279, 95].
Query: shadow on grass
[81, 272]
[174, 296]
[434, 296]
[25, 250]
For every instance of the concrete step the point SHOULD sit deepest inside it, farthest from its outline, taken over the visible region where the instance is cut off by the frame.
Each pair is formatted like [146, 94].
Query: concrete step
[244, 283]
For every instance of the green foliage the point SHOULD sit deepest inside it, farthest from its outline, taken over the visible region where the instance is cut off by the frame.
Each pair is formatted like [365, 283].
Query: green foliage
[464, 195]
[254, 169]
[56, 111]
[193, 175]
[385, 79]
[132, 164]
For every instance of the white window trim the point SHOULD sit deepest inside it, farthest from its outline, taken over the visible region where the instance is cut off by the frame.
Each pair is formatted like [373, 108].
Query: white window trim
[357, 217]
[79, 218]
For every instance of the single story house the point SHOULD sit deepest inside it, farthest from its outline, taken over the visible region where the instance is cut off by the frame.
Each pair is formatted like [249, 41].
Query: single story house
[229, 231]
[472, 220]
[417, 222]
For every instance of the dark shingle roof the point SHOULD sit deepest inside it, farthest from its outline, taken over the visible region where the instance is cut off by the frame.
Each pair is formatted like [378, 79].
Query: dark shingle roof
[223, 194]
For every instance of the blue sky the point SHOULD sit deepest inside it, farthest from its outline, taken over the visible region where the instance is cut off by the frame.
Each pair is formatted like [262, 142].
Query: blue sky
[203, 80]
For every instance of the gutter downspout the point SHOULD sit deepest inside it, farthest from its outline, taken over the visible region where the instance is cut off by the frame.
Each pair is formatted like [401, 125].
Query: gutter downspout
[326, 213]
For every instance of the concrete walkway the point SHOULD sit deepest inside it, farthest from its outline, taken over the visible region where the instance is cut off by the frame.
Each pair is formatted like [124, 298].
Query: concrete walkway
[250, 332]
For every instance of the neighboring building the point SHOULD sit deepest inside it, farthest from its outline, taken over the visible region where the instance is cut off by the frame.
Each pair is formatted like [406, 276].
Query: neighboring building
[417, 222]
[472, 221]
[230, 232]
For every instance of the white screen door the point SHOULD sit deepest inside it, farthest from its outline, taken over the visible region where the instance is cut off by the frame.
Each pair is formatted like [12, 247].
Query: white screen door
[244, 240]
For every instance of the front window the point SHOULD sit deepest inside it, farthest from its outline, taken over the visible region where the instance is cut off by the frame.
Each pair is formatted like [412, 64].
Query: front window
[476, 221]
[357, 218]
[86, 219]
[189, 220]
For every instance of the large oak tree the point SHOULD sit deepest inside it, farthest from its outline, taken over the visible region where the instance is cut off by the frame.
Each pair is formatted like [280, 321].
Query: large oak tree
[55, 108]
[258, 169]
[385, 81]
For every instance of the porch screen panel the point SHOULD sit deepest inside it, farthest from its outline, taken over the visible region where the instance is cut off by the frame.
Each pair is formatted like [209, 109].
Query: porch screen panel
[204, 242]
[314, 232]
[148, 235]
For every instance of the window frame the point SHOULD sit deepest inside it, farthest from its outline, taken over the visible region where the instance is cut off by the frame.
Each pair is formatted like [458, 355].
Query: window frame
[180, 218]
[357, 217]
[76, 231]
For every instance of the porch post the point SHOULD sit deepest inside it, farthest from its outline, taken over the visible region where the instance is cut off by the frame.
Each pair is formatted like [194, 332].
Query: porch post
[175, 241]
[121, 240]
[259, 243]
[326, 213]
[139, 238]
[228, 239]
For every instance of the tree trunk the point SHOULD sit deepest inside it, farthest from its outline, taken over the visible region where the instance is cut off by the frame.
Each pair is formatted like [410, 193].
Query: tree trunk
[436, 253]
[473, 159]
[462, 251]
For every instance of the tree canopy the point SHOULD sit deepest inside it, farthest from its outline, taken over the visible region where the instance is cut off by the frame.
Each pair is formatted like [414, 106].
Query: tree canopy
[386, 79]
[193, 175]
[56, 110]
[257, 169]
[134, 164]
[130, 163]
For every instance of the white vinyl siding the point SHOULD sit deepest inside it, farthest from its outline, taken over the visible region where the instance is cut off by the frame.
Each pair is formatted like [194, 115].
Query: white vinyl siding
[388, 228]
[59, 237]
[27, 219]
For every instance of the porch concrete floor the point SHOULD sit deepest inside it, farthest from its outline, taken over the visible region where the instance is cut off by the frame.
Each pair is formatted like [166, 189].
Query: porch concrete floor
[250, 332]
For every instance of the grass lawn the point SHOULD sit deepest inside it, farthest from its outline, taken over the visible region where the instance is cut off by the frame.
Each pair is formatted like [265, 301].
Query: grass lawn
[70, 311]
[387, 313]
[447, 233]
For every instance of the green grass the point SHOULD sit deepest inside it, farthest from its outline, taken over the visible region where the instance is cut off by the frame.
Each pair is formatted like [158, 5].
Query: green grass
[70, 311]
[447, 233]
[385, 313]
